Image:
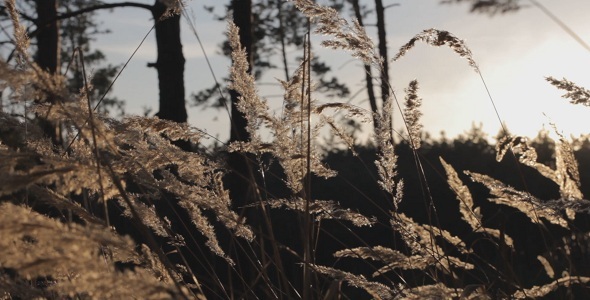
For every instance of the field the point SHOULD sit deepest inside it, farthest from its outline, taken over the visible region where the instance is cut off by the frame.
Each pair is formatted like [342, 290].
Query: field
[138, 208]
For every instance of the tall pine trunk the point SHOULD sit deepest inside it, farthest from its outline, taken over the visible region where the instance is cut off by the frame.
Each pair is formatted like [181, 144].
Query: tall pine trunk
[368, 72]
[382, 36]
[47, 36]
[242, 15]
[170, 65]
[47, 57]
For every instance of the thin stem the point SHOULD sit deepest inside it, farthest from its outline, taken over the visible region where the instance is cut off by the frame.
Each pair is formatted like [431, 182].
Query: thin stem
[114, 80]
[307, 227]
[561, 24]
[282, 38]
[93, 130]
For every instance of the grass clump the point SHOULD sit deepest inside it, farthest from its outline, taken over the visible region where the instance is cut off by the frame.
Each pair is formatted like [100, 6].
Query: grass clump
[121, 211]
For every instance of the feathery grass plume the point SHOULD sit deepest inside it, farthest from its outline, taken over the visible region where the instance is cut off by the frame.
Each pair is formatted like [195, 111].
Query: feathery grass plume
[565, 175]
[435, 37]
[392, 258]
[490, 7]
[20, 33]
[351, 112]
[469, 213]
[523, 201]
[137, 149]
[339, 132]
[75, 113]
[420, 239]
[447, 236]
[147, 214]
[73, 257]
[520, 146]
[47, 196]
[527, 155]
[425, 253]
[546, 266]
[45, 82]
[355, 39]
[169, 129]
[288, 145]
[571, 207]
[249, 103]
[576, 94]
[83, 178]
[13, 78]
[173, 7]
[375, 289]
[412, 114]
[323, 209]
[146, 148]
[39, 164]
[152, 263]
[432, 291]
[28, 74]
[18, 173]
[475, 292]
[566, 169]
[352, 38]
[289, 139]
[540, 291]
[387, 161]
[12, 287]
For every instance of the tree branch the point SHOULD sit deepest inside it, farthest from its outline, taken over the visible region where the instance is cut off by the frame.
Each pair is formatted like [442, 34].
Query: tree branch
[3, 13]
[90, 9]
[103, 6]
[84, 10]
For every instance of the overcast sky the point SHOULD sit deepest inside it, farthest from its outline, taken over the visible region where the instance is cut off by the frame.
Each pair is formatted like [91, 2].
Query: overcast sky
[514, 52]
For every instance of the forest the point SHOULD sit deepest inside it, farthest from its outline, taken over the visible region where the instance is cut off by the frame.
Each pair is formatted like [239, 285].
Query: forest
[99, 204]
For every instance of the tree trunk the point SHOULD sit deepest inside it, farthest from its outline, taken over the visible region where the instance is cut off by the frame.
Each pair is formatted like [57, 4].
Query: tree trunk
[48, 36]
[282, 38]
[240, 181]
[170, 65]
[48, 55]
[382, 36]
[242, 14]
[368, 72]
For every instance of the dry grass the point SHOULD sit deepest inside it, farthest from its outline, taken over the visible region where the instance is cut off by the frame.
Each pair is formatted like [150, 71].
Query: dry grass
[57, 244]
